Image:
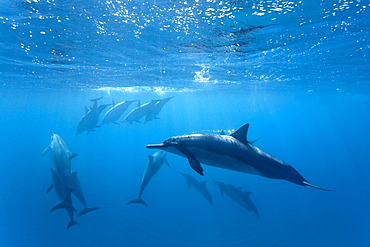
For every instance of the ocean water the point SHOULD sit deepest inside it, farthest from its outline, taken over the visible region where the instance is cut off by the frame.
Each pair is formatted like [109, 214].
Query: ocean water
[296, 71]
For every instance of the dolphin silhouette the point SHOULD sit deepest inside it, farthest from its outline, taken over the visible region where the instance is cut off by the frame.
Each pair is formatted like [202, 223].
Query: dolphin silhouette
[232, 152]
[117, 110]
[90, 120]
[199, 186]
[155, 162]
[156, 109]
[139, 112]
[237, 195]
[66, 203]
[75, 185]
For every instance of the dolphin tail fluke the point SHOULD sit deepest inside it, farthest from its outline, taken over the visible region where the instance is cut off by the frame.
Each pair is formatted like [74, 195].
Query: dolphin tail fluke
[60, 206]
[86, 210]
[72, 223]
[94, 100]
[314, 186]
[141, 201]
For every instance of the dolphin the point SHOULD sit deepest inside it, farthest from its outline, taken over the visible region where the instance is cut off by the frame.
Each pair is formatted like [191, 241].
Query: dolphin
[66, 200]
[155, 162]
[91, 118]
[156, 109]
[75, 185]
[61, 155]
[117, 110]
[199, 186]
[237, 195]
[139, 112]
[232, 152]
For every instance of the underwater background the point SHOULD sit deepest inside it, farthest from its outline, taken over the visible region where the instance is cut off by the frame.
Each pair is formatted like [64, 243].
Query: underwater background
[296, 71]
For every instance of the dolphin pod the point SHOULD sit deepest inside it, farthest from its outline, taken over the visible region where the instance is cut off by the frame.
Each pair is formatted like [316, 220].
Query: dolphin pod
[232, 152]
[64, 181]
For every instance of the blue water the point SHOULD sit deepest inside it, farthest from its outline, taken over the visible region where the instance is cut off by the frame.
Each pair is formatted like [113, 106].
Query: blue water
[297, 71]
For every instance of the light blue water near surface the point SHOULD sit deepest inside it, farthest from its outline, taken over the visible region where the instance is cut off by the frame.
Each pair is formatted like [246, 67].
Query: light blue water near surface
[298, 72]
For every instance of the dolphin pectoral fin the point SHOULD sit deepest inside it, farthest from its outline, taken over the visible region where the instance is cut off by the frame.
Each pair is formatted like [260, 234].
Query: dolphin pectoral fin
[194, 163]
[314, 186]
[72, 155]
[252, 142]
[168, 164]
[86, 210]
[141, 201]
[46, 150]
[72, 223]
[50, 188]
[117, 123]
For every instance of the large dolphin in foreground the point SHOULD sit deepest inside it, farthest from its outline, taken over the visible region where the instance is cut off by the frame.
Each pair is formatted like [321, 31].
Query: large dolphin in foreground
[199, 186]
[154, 164]
[232, 152]
[117, 110]
[237, 195]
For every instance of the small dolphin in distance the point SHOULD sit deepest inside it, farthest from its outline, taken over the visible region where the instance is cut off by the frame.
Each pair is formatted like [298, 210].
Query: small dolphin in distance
[156, 109]
[154, 164]
[199, 186]
[232, 152]
[139, 112]
[117, 110]
[237, 195]
[91, 118]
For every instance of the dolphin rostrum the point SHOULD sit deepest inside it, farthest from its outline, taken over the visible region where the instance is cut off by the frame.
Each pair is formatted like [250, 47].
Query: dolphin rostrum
[154, 164]
[232, 152]
[237, 195]
[199, 186]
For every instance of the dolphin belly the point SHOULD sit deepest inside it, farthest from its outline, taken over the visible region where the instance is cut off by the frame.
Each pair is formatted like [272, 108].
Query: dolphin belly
[223, 161]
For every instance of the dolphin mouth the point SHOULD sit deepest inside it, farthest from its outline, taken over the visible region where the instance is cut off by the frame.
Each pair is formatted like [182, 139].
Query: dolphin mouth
[157, 146]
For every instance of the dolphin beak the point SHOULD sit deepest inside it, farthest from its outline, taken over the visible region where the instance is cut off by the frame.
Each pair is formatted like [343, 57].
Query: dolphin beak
[157, 146]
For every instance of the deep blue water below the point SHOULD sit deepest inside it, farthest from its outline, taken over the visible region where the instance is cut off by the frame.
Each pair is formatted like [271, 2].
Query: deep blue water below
[297, 72]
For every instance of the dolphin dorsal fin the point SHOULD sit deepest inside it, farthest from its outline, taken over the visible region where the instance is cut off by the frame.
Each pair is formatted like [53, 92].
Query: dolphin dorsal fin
[86, 110]
[241, 134]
